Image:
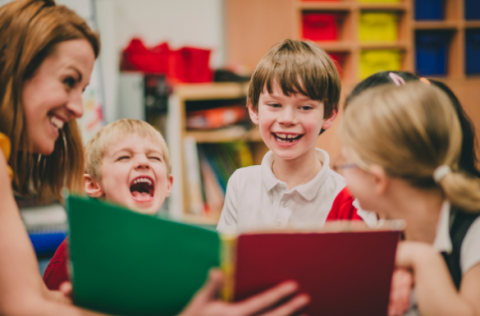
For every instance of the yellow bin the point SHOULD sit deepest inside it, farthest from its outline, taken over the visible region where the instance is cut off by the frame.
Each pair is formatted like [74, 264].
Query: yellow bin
[373, 61]
[378, 27]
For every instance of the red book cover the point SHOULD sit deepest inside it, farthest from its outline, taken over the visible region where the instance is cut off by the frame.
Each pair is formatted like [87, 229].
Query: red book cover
[345, 273]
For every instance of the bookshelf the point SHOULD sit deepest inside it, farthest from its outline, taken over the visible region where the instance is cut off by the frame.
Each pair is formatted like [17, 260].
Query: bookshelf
[177, 131]
[253, 26]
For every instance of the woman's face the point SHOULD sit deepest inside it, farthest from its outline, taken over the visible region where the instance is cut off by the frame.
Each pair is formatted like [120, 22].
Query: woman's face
[53, 96]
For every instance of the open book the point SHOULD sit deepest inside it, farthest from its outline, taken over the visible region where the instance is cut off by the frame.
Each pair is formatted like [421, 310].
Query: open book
[127, 263]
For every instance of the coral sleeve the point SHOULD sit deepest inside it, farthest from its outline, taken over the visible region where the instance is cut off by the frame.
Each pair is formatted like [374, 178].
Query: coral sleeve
[5, 148]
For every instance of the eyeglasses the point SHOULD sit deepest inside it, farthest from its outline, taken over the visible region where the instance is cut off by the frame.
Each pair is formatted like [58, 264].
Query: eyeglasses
[340, 164]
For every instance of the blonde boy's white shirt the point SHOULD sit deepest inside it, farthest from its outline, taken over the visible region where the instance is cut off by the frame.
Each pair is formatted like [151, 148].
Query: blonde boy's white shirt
[256, 199]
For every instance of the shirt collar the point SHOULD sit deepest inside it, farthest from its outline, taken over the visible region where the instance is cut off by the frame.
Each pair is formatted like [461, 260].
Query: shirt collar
[308, 190]
[443, 242]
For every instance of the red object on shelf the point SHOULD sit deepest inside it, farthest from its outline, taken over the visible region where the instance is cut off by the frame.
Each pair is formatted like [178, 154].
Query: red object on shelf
[319, 26]
[338, 60]
[216, 118]
[187, 64]
[137, 57]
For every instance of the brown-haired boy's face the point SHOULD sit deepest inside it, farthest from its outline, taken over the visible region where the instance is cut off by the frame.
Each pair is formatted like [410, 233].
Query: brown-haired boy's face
[133, 174]
[289, 125]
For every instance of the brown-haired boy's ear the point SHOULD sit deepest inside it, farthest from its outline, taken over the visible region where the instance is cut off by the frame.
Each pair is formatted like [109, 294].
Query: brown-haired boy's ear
[329, 121]
[92, 188]
[253, 113]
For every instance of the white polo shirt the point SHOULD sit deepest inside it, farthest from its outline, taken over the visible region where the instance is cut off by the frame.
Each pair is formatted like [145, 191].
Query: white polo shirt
[256, 199]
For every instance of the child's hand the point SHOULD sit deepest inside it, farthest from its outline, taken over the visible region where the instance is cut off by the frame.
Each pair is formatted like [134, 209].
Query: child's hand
[400, 292]
[205, 302]
[64, 293]
[66, 288]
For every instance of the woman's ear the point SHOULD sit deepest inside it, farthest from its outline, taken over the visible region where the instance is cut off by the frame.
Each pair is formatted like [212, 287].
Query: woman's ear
[253, 113]
[381, 180]
[92, 187]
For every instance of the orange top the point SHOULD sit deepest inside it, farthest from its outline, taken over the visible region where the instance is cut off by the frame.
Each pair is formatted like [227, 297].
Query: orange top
[5, 147]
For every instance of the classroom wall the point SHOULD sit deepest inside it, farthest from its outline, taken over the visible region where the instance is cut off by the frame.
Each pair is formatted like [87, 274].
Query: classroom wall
[180, 22]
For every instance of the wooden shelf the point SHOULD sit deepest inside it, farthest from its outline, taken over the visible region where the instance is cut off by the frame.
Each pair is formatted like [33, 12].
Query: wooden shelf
[472, 24]
[324, 6]
[200, 219]
[228, 134]
[436, 25]
[206, 91]
[384, 45]
[382, 6]
[336, 46]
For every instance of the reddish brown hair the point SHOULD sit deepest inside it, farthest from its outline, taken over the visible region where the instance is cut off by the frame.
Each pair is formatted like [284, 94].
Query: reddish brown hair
[29, 32]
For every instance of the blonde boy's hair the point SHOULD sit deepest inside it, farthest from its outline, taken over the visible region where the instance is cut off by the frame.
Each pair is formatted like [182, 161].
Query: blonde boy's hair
[409, 131]
[95, 148]
[297, 67]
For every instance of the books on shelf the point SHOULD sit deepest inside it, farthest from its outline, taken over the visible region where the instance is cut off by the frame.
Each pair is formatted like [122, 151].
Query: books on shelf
[217, 162]
[127, 263]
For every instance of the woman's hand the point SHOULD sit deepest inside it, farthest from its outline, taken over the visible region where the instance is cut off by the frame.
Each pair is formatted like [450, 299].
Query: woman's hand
[400, 292]
[205, 302]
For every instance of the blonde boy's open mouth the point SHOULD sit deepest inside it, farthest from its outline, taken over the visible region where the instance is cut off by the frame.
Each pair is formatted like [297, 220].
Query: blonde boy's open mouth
[142, 189]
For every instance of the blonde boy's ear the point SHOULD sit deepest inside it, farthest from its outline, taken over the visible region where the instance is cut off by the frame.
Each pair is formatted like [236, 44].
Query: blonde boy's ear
[253, 113]
[329, 121]
[92, 188]
[169, 185]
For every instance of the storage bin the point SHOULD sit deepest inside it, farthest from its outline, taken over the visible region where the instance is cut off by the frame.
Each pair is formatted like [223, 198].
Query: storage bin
[373, 61]
[431, 52]
[190, 64]
[319, 26]
[378, 27]
[472, 9]
[429, 9]
[472, 51]
[338, 60]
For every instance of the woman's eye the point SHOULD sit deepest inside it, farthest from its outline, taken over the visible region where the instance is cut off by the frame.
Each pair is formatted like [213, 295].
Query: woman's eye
[70, 82]
[155, 158]
[123, 158]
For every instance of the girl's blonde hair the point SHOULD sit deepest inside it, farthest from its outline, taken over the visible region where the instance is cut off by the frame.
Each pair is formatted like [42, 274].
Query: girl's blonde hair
[29, 33]
[410, 131]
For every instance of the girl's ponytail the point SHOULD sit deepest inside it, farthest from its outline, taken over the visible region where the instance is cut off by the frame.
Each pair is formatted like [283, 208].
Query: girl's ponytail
[461, 190]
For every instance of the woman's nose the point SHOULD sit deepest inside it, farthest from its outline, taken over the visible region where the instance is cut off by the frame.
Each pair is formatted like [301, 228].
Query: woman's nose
[75, 104]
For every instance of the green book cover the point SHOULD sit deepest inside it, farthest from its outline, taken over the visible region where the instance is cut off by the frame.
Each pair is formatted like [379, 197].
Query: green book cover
[127, 263]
